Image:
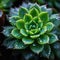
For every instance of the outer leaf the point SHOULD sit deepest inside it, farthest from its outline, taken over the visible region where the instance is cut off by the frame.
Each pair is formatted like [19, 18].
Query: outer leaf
[44, 39]
[53, 38]
[49, 10]
[22, 11]
[43, 30]
[37, 48]
[36, 6]
[34, 12]
[44, 16]
[9, 42]
[27, 40]
[7, 31]
[49, 26]
[43, 8]
[16, 33]
[20, 24]
[46, 51]
[13, 19]
[27, 18]
[19, 45]
[56, 49]
[23, 32]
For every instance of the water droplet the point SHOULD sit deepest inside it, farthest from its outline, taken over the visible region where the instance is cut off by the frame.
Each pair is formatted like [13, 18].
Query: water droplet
[34, 44]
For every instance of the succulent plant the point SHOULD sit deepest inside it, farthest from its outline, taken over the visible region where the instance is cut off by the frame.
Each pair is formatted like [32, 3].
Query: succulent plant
[31, 27]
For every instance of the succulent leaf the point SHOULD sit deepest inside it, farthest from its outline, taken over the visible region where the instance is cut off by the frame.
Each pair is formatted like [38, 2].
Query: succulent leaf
[19, 45]
[23, 32]
[13, 20]
[34, 12]
[46, 51]
[22, 12]
[15, 32]
[27, 40]
[27, 18]
[44, 39]
[20, 24]
[49, 26]
[43, 30]
[52, 38]
[36, 6]
[44, 16]
[37, 48]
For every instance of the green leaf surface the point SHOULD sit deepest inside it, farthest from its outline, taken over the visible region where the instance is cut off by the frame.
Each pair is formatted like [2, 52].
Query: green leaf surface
[37, 48]
[46, 51]
[22, 11]
[9, 43]
[27, 40]
[36, 6]
[13, 19]
[56, 49]
[35, 36]
[19, 45]
[20, 24]
[43, 30]
[34, 12]
[7, 31]
[44, 39]
[36, 19]
[23, 32]
[27, 18]
[52, 38]
[16, 33]
[44, 16]
[49, 26]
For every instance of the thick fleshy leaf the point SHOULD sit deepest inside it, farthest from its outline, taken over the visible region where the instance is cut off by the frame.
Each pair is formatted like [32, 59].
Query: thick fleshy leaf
[19, 45]
[33, 31]
[49, 10]
[26, 26]
[32, 25]
[46, 51]
[56, 49]
[44, 16]
[44, 39]
[20, 24]
[13, 19]
[22, 11]
[36, 6]
[34, 12]
[35, 36]
[27, 18]
[49, 26]
[43, 8]
[55, 18]
[40, 24]
[7, 31]
[27, 40]
[43, 30]
[36, 48]
[36, 19]
[52, 38]
[16, 33]
[9, 42]
[23, 32]
[14, 11]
